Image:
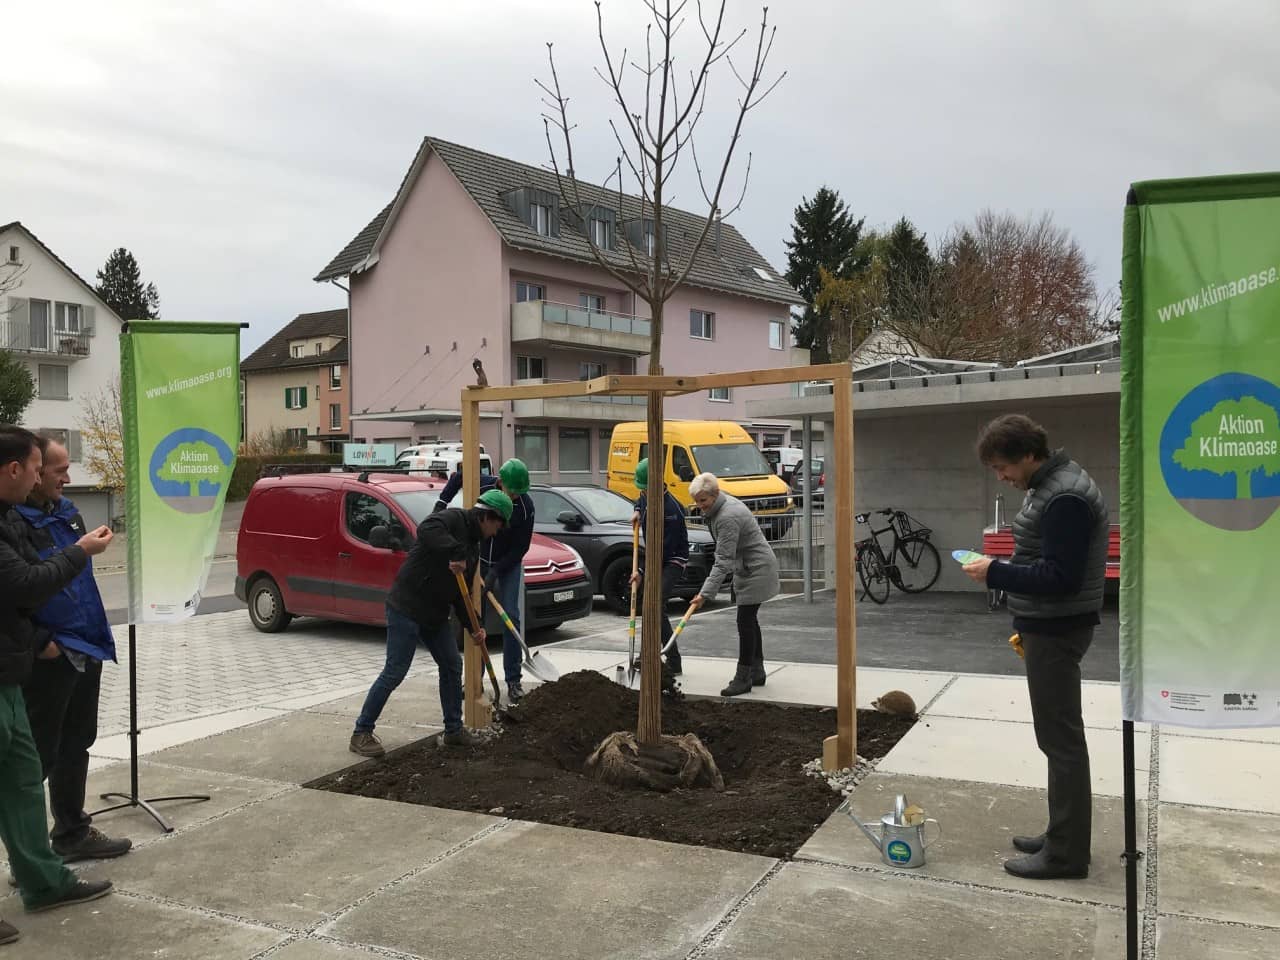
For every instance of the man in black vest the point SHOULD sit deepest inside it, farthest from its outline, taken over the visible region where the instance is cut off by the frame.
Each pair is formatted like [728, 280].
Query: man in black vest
[1054, 583]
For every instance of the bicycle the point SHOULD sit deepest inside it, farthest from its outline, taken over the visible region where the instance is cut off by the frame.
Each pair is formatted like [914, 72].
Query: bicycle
[919, 566]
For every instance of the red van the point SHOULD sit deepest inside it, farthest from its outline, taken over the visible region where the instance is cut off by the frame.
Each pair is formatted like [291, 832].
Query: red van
[307, 549]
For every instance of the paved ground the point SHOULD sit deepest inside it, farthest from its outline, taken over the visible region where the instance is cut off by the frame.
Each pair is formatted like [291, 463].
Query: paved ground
[270, 869]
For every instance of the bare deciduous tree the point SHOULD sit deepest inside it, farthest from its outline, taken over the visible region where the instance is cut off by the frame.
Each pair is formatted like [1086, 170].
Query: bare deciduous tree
[659, 114]
[102, 433]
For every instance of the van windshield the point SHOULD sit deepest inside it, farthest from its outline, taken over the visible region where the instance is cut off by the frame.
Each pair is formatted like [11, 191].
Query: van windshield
[418, 504]
[731, 460]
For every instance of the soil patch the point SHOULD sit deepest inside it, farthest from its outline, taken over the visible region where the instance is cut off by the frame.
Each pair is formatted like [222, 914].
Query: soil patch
[533, 770]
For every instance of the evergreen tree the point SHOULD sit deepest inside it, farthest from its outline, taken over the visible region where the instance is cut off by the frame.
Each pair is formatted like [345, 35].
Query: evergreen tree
[17, 388]
[824, 236]
[908, 264]
[120, 286]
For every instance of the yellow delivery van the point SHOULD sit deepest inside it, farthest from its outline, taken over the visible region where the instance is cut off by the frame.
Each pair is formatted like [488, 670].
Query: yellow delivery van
[721, 447]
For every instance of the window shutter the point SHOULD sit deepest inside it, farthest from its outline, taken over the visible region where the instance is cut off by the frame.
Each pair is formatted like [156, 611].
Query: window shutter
[86, 320]
[288, 397]
[73, 445]
[302, 391]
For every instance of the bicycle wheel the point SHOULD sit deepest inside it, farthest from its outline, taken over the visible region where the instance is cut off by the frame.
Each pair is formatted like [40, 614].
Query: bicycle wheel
[918, 565]
[874, 577]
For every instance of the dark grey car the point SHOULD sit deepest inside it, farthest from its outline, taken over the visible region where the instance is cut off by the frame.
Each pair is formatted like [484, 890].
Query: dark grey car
[597, 523]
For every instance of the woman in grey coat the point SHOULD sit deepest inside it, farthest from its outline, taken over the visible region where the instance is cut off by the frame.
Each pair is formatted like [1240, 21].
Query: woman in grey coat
[742, 550]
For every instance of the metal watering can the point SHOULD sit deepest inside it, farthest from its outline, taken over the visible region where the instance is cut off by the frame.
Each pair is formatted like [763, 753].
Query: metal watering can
[902, 841]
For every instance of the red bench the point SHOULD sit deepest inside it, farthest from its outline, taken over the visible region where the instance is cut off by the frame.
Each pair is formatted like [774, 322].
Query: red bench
[999, 544]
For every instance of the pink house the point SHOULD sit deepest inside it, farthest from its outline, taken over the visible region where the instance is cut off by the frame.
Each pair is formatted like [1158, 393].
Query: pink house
[481, 257]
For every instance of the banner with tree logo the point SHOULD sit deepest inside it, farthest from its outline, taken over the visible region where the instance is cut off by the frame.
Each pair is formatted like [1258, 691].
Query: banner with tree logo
[180, 411]
[1200, 452]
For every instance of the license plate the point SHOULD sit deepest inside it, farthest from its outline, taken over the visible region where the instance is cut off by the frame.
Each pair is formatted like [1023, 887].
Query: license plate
[562, 596]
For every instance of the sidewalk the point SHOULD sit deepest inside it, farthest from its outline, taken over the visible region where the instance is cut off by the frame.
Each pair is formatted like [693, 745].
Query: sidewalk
[269, 869]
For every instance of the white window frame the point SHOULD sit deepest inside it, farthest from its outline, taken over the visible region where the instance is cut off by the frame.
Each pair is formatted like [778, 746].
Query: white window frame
[14, 254]
[295, 397]
[592, 302]
[708, 325]
[319, 348]
[42, 393]
[297, 350]
[649, 245]
[540, 218]
[528, 368]
[598, 231]
[63, 314]
[726, 398]
[335, 416]
[780, 326]
[335, 377]
[585, 366]
[530, 286]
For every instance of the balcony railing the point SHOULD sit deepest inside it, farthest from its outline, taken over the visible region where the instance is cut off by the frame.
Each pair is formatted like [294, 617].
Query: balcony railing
[27, 337]
[553, 312]
[590, 397]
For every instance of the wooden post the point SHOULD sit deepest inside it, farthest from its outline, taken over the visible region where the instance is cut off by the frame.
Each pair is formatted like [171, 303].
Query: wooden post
[846, 739]
[475, 712]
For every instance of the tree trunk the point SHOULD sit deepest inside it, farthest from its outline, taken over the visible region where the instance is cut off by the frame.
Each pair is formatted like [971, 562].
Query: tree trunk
[649, 726]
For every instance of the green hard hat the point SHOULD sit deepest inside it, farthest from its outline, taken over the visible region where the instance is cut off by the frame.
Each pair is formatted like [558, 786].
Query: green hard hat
[642, 473]
[514, 476]
[497, 502]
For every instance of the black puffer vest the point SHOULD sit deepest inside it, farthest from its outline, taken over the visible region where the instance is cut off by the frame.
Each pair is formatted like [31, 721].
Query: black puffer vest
[1060, 476]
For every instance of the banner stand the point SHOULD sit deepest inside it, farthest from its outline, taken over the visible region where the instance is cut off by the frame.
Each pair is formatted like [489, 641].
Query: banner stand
[131, 799]
[1132, 856]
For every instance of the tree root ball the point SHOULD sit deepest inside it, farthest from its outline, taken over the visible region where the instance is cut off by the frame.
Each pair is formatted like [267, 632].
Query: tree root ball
[672, 762]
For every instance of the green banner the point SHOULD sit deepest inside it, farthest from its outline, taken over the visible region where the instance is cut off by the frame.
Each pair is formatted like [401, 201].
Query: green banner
[1200, 452]
[180, 411]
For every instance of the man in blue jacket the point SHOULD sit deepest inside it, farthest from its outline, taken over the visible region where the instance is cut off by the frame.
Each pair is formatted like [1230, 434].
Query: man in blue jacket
[62, 691]
[502, 558]
[675, 552]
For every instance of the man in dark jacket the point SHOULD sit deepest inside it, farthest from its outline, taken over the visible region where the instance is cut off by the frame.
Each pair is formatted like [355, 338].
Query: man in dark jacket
[675, 552]
[502, 558]
[1054, 583]
[62, 691]
[26, 582]
[425, 589]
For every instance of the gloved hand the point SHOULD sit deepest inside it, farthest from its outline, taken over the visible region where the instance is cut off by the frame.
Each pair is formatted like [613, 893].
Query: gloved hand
[1016, 642]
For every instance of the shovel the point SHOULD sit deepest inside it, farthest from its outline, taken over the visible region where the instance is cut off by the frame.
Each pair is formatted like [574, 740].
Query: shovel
[540, 666]
[679, 628]
[484, 652]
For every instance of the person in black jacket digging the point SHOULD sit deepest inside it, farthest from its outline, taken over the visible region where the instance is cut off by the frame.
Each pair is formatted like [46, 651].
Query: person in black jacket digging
[27, 582]
[1054, 583]
[425, 589]
[675, 552]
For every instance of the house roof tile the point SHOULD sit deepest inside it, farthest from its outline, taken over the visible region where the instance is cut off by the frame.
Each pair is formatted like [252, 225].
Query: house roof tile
[275, 355]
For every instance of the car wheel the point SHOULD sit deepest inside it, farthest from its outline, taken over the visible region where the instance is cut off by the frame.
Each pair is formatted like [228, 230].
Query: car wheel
[266, 606]
[615, 584]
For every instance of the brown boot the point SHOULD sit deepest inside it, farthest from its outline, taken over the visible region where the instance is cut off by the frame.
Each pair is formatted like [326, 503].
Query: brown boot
[8, 932]
[366, 744]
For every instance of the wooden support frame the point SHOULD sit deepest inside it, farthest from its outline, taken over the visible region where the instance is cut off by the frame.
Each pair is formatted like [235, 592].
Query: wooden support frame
[838, 751]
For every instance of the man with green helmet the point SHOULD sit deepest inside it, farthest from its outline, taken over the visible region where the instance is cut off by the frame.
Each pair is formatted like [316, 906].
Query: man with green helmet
[502, 558]
[425, 590]
[675, 552]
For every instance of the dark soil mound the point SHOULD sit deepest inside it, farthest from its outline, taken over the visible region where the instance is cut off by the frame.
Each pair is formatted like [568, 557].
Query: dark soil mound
[534, 770]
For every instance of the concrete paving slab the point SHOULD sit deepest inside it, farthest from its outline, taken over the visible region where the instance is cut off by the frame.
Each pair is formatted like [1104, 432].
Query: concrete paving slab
[295, 858]
[559, 893]
[996, 751]
[816, 684]
[829, 913]
[225, 792]
[295, 748]
[1236, 774]
[1180, 939]
[306, 948]
[416, 702]
[306, 700]
[120, 927]
[1256, 734]
[1006, 698]
[1220, 866]
[978, 821]
[154, 739]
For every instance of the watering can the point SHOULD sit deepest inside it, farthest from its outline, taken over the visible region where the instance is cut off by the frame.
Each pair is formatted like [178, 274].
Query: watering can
[902, 841]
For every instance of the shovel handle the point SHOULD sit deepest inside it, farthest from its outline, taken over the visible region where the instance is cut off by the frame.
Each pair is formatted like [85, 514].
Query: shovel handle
[475, 629]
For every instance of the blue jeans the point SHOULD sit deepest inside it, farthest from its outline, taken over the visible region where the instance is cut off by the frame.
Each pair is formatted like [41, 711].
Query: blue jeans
[403, 634]
[508, 593]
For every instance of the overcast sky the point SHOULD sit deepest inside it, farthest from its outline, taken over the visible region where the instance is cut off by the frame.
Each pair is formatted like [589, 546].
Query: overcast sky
[234, 147]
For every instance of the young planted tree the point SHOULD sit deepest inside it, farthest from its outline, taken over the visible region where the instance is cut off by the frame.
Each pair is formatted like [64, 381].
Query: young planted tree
[660, 105]
[102, 433]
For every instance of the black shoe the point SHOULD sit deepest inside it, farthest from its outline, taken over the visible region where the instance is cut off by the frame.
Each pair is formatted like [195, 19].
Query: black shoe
[740, 684]
[82, 891]
[515, 693]
[461, 737]
[1029, 844]
[95, 845]
[8, 932]
[1042, 866]
[674, 664]
[758, 675]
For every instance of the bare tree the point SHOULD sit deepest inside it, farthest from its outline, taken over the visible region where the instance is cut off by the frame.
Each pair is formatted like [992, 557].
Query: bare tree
[659, 113]
[102, 433]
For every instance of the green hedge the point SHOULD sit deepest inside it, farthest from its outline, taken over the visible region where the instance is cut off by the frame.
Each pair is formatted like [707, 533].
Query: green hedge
[248, 469]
